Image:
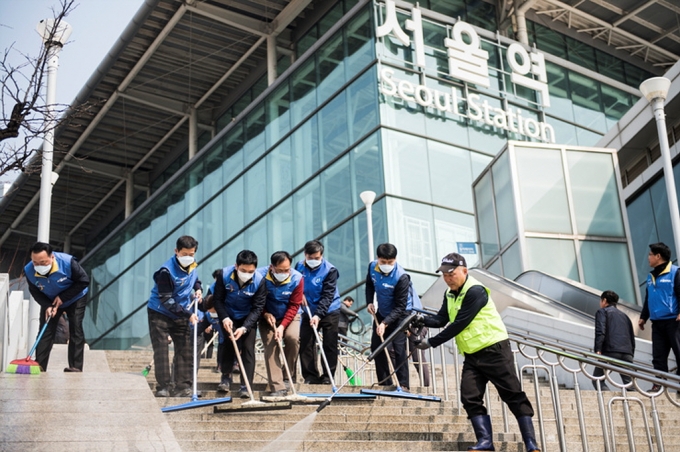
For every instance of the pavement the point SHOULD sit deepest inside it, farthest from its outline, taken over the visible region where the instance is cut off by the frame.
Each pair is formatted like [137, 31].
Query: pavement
[92, 411]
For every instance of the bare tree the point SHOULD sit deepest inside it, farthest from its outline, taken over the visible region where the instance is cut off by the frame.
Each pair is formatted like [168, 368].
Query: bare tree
[24, 109]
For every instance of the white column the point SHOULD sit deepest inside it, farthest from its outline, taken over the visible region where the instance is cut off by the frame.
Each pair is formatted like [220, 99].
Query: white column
[193, 133]
[129, 194]
[271, 59]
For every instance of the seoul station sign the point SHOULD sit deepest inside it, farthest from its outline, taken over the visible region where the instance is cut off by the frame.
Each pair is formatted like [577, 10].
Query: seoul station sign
[467, 62]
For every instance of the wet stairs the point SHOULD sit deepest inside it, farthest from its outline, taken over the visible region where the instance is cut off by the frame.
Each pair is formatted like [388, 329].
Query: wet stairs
[383, 424]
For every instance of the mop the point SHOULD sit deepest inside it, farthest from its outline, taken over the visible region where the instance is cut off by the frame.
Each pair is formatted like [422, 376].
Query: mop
[252, 404]
[195, 403]
[294, 397]
[27, 365]
[399, 392]
[353, 396]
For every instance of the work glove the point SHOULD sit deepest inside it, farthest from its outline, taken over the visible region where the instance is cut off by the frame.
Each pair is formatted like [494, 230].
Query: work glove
[418, 322]
[423, 345]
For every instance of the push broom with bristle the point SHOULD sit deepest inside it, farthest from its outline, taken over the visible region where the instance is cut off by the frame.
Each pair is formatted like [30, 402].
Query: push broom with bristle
[27, 365]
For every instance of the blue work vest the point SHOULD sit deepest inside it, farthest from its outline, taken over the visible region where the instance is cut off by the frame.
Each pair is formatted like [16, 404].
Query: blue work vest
[183, 282]
[661, 300]
[57, 281]
[238, 300]
[314, 279]
[278, 294]
[384, 285]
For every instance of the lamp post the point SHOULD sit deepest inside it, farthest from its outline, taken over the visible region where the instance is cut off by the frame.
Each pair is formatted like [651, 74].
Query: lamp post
[655, 90]
[367, 197]
[54, 34]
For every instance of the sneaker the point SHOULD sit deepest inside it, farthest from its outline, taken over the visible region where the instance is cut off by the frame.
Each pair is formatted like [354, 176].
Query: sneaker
[224, 384]
[325, 381]
[287, 384]
[186, 392]
[243, 393]
[162, 392]
[281, 393]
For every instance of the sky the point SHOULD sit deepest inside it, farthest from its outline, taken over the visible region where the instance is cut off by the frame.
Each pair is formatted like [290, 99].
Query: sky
[97, 25]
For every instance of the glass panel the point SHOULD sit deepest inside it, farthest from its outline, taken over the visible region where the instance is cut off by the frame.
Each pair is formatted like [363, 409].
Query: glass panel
[281, 226]
[560, 95]
[256, 240]
[580, 53]
[308, 213]
[595, 195]
[280, 171]
[360, 46]
[337, 193]
[411, 232]
[396, 112]
[278, 113]
[542, 190]
[340, 247]
[305, 141]
[367, 167]
[330, 68]
[512, 262]
[554, 257]
[363, 105]
[481, 14]
[447, 125]
[550, 41]
[333, 128]
[214, 231]
[606, 266]
[256, 191]
[406, 168]
[447, 163]
[233, 209]
[455, 232]
[330, 19]
[255, 144]
[587, 103]
[482, 136]
[505, 199]
[233, 143]
[642, 232]
[486, 218]
[303, 91]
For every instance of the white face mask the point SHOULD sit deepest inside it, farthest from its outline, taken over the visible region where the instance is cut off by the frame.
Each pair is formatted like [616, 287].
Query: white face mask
[43, 269]
[280, 277]
[243, 276]
[185, 261]
[313, 263]
[385, 268]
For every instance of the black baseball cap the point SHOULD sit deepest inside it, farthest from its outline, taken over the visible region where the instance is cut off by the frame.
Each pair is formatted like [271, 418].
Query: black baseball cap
[451, 261]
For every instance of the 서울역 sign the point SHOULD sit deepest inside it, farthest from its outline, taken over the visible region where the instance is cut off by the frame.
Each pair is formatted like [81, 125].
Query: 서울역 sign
[468, 62]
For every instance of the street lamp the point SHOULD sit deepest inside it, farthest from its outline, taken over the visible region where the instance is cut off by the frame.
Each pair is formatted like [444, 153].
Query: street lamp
[54, 35]
[655, 90]
[367, 197]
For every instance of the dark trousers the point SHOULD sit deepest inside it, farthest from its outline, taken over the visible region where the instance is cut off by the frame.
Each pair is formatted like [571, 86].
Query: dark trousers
[598, 372]
[419, 357]
[400, 364]
[76, 346]
[495, 364]
[160, 327]
[246, 345]
[665, 337]
[329, 327]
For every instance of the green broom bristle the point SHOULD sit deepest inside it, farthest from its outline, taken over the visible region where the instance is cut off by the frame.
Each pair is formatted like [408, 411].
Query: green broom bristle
[11, 369]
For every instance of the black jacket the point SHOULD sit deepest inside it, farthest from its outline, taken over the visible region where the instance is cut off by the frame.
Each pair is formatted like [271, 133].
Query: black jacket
[613, 332]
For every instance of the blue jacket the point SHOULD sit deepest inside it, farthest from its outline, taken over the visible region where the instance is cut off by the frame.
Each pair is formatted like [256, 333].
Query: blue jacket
[279, 294]
[321, 288]
[394, 292]
[236, 302]
[183, 284]
[661, 298]
[58, 281]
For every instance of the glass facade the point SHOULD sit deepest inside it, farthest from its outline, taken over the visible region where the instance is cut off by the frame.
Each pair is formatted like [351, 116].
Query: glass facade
[292, 167]
[566, 216]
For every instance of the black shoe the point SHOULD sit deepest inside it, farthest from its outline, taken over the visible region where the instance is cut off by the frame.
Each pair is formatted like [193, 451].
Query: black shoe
[243, 393]
[311, 381]
[326, 381]
[162, 392]
[224, 384]
[72, 369]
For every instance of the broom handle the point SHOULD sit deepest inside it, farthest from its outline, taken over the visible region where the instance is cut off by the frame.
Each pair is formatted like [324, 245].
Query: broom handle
[240, 364]
[285, 364]
[42, 331]
[387, 353]
[212, 339]
[323, 354]
[194, 395]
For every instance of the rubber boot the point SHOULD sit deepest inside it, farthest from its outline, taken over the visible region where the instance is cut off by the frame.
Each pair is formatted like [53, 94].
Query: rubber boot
[482, 427]
[526, 426]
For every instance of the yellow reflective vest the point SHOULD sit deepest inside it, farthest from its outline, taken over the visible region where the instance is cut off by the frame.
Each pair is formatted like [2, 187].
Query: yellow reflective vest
[486, 328]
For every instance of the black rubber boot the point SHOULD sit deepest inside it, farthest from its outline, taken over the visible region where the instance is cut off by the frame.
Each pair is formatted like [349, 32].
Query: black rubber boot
[526, 426]
[482, 427]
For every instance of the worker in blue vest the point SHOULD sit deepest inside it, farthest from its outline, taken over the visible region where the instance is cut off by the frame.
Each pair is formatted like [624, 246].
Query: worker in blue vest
[390, 285]
[281, 320]
[170, 312]
[323, 299]
[58, 284]
[239, 298]
[470, 315]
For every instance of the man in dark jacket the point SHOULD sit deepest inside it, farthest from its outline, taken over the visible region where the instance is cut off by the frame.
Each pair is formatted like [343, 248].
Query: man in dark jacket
[614, 335]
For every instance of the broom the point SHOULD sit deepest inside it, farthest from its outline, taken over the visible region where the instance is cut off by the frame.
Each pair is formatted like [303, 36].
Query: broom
[27, 365]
